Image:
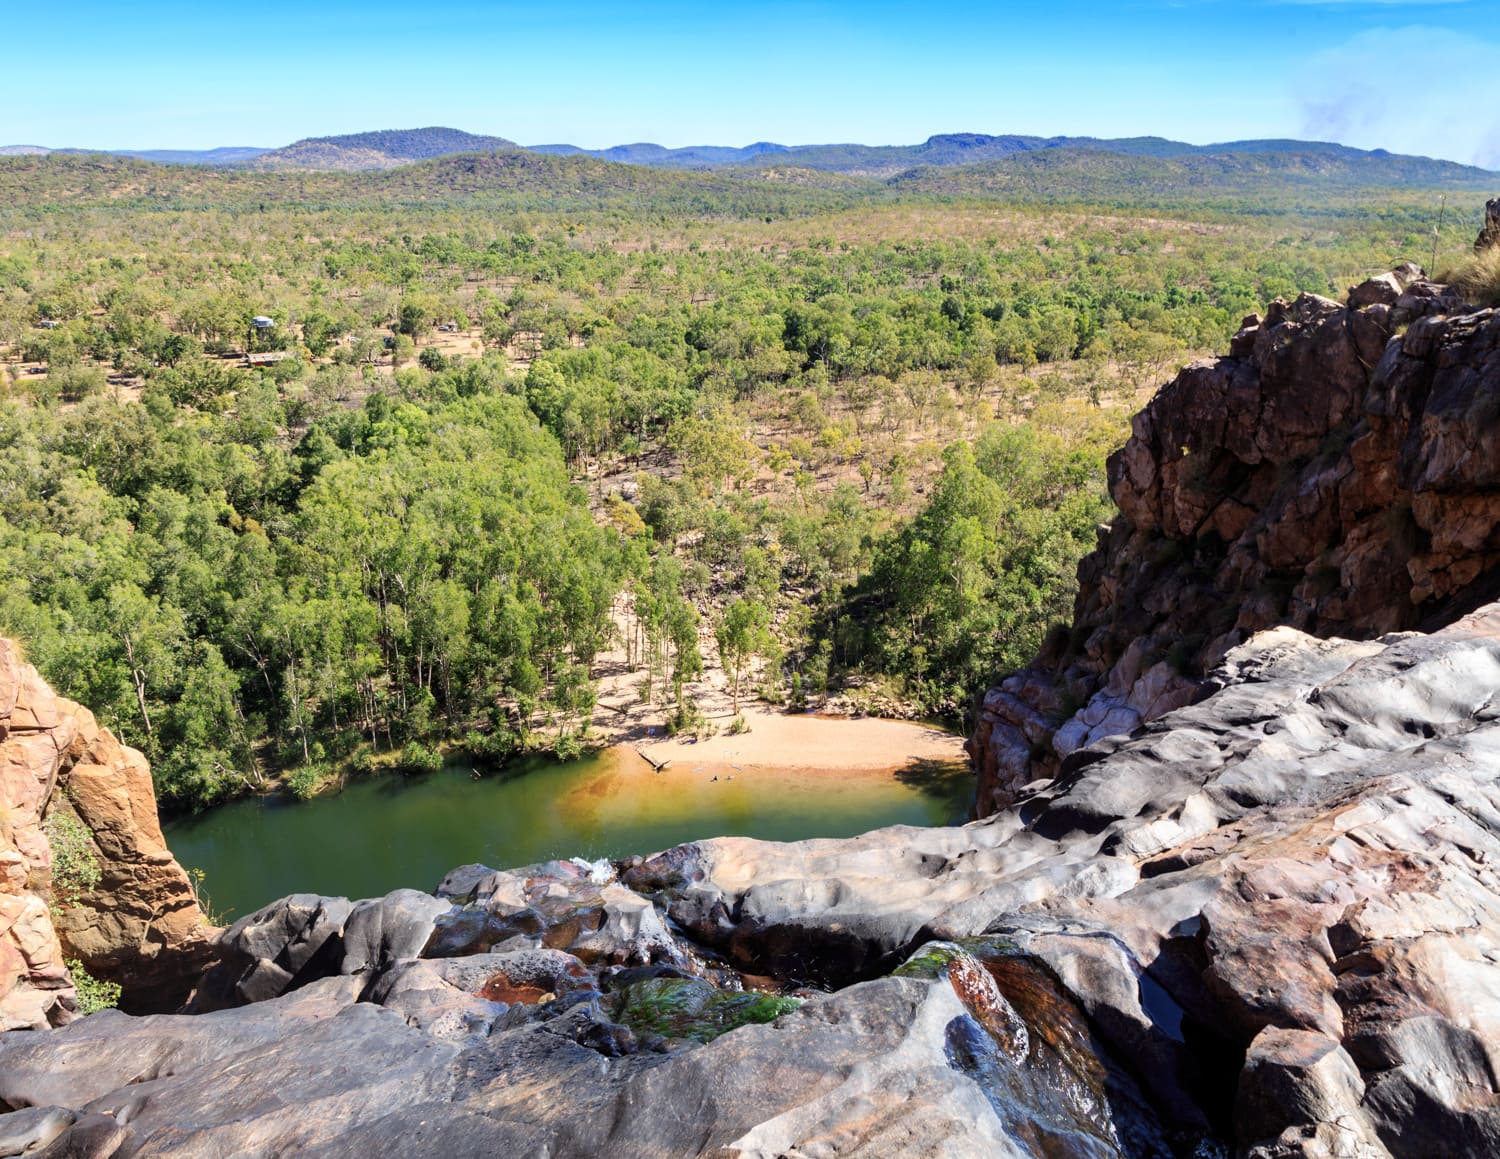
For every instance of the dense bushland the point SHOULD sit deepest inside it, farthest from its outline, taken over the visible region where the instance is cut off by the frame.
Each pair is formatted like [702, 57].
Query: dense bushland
[863, 445]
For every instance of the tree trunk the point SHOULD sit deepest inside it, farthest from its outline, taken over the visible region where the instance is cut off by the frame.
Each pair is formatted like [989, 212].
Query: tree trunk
[140, 697]
[138, 675]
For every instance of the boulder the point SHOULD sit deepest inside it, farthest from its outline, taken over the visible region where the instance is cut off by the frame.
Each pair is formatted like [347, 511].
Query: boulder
[1384, 290]
[279, 947]
[558, 906]
[1302, 1090]
[1422, 299]
[1489, 236]
[33, 1128]
[379, 932]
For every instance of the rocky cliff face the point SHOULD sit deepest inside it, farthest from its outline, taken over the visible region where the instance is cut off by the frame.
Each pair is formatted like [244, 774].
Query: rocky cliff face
[121, 906]
[1337, 472]
[1268, 922]
[1489, 236]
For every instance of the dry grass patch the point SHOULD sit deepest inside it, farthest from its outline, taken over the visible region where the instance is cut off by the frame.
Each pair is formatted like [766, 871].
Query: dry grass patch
[1478, 279]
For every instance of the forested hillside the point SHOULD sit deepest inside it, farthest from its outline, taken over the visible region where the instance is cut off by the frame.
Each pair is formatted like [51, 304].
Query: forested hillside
[381, 149]
[529, 407]
[1254, 179]
[1316, 182]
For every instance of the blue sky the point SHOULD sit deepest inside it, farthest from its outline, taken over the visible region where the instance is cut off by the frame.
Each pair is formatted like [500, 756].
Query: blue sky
[1419, 77]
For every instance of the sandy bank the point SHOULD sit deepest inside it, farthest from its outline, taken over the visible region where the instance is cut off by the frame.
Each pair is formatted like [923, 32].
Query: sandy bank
[776, 739]
[810, 742]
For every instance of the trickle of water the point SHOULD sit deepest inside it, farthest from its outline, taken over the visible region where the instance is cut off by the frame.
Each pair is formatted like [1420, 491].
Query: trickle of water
[600, 871]
[1028, 1046]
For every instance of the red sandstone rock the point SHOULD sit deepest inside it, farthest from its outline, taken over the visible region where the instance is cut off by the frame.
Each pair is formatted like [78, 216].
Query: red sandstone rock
[141, 925]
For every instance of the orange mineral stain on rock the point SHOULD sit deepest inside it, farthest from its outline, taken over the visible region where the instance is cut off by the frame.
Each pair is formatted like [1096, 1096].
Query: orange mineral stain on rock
[502, 989]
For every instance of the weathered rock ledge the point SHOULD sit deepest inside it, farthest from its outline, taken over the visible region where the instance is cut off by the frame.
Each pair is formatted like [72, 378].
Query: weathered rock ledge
[140, 924]
[1333, 473]
[1268, 921]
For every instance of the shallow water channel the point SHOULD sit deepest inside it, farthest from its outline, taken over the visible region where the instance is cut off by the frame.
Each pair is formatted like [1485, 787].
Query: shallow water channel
[392, 831]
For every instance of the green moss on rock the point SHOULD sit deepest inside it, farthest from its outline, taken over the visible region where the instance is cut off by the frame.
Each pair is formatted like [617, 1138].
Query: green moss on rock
[691, 1008]
[931, 960]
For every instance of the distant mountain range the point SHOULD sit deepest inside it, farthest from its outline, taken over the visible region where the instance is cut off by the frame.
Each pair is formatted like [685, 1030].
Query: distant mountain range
[987, 164]
[225, 155]
[392, 148]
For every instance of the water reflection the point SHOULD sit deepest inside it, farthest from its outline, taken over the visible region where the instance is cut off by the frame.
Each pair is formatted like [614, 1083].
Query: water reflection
[394, 831]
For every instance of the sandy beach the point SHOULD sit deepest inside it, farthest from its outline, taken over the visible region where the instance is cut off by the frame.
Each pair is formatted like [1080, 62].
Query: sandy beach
[622, 791]
[805, 741]
[774, 738]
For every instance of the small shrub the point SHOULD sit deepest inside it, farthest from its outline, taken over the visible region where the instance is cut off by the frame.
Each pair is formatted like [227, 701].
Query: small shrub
[771, 693]
[687, 718]
[200, 893]
[737, 726]
[1069, 701]
[305, 781]
[1182, 654]
[76, 383]
[363, 763]
[797, 699]
[419, 758]
[75, 867]
[93, 994]
[491, 748]
[1055, 642]
[569, 747]
[344, 744]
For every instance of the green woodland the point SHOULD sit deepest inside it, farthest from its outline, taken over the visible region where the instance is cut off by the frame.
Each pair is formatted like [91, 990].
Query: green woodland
[841, 436]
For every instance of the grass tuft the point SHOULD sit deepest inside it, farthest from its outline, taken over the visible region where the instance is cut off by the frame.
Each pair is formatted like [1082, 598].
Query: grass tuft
[1478, 278]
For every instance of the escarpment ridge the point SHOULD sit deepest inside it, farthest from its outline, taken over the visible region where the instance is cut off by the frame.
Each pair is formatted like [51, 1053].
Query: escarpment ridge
[1338, 472]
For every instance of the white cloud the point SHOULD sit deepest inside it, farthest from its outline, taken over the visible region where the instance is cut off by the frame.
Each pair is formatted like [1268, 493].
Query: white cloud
[1428, 91]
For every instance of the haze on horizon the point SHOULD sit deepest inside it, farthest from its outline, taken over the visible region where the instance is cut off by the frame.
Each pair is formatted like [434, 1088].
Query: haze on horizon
[1411, 76]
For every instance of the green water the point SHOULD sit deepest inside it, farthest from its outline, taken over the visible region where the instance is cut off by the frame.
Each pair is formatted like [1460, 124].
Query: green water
[393, 831]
